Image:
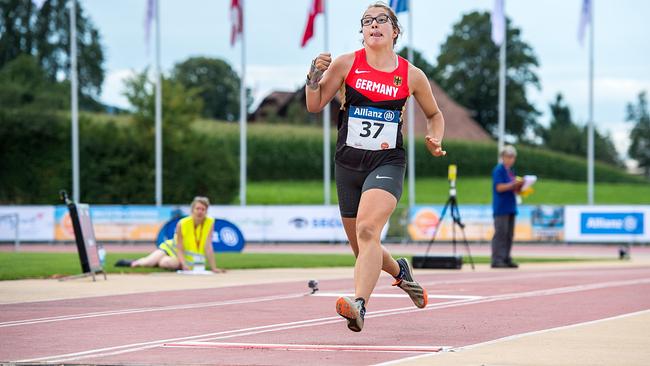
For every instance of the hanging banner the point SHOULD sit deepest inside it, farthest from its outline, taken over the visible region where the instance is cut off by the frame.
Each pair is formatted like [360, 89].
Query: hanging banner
[117, 223]
[35, 223]
[532, 223]
[286, 223]
[612, 224]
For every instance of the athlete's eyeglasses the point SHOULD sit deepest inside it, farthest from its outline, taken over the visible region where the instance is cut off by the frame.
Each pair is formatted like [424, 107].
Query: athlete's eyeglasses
[381, 19]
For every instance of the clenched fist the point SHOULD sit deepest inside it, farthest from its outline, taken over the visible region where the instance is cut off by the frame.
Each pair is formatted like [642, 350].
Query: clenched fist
[318, 66]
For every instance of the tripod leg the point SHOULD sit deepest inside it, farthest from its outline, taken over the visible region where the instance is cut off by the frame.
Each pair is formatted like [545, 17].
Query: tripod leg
[455, 214]
[435, 230]
[453, 236]
[469, 254]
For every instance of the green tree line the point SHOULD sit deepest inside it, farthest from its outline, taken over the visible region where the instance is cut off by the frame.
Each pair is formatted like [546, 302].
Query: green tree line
[117, 153]
[117, 159]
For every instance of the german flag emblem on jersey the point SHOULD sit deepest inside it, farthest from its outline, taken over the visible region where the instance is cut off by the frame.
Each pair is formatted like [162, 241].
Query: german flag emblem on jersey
[397, 80]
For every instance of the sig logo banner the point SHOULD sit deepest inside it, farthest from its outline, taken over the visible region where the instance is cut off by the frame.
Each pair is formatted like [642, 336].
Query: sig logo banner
[299, 222]
[287, 223]
[611, 223]
[607, 224]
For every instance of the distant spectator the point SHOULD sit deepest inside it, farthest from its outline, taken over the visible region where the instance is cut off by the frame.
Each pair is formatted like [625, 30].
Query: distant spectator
[504, 208]
[191, 245]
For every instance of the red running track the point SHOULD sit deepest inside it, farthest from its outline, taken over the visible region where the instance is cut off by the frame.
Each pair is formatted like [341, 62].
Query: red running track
[280, 324]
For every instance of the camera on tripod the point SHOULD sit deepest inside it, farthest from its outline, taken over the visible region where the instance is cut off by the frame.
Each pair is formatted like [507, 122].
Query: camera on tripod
[446, 262]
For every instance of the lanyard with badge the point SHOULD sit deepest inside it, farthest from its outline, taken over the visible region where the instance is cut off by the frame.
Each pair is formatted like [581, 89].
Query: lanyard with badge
[197, 239]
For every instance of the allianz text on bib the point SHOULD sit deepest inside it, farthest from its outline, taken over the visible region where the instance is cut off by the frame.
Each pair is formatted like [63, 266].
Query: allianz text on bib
[371, 128]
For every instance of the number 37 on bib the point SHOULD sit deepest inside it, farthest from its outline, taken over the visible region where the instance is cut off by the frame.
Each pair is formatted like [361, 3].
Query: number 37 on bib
[372, 128]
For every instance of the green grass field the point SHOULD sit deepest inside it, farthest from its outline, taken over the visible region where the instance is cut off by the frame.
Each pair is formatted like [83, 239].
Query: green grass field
[14, 266]
[470, 191]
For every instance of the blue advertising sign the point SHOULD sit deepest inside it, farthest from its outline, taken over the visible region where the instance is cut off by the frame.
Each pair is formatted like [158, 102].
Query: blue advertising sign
[226, 237]
[630, 223]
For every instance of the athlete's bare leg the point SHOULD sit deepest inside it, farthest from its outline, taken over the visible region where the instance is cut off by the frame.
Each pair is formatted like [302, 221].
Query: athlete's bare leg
[151, 260]
[168, 262]
[388, 264]
[375, 208]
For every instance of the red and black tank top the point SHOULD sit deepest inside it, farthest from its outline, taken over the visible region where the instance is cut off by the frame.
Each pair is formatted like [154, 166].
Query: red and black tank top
[370, 119]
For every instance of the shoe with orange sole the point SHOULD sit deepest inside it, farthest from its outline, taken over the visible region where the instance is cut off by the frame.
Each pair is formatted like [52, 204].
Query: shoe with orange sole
[352, 310]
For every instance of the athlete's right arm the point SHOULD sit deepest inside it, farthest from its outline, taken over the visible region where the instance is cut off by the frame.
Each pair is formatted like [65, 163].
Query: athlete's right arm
[319, 91]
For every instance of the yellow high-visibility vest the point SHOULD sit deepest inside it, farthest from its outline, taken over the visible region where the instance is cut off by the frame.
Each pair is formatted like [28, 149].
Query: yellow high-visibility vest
[194, 239]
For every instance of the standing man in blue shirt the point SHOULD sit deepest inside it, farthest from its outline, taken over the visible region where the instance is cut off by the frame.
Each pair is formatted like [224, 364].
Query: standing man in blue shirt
[504, 208]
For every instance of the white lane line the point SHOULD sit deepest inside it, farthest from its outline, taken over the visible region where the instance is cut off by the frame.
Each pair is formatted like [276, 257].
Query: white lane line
[110, 351]
[308, 347]
[15, 323]
[116, 350]
[515, 336]
[147, 310]
[272, 298]
[375, 295]
[506, 277]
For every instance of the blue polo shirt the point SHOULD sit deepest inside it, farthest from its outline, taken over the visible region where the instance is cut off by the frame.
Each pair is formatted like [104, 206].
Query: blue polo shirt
[503, 203]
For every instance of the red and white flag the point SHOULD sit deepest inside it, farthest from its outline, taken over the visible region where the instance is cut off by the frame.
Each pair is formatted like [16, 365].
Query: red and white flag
[237, 20]
[316, 8]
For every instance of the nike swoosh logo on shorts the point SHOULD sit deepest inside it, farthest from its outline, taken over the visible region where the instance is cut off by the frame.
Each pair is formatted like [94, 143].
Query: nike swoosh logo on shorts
[382, 177]
[357, 71]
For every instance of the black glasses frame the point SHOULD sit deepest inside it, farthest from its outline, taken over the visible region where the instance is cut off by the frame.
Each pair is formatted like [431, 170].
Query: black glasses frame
[375, 19]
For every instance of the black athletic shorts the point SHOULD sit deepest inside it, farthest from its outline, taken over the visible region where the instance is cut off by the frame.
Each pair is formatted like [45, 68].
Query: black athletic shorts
[350, 184]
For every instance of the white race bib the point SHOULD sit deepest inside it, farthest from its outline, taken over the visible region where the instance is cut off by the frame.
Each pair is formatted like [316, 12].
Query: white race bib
[371, 128]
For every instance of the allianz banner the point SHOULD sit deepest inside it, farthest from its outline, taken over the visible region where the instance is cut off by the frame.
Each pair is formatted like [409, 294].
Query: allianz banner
[613, 224]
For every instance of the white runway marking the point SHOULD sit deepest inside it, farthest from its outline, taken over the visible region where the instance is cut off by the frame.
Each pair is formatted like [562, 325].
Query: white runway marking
[110, 351]
[508, 277]
[376, 295]
[308, 347]
[505, 276]
[51, 319]
[147, 310]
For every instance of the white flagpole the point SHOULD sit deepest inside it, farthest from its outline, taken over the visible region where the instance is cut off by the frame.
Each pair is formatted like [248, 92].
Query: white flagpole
[590, 138]
[502, 87]
[158, 110]
[242, 113]
[411, 117]
[326, 126]
[74, 101]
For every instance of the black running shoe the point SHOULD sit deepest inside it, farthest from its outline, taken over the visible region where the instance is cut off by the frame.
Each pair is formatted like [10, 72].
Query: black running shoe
[352, 310]
[123, 263]
[416, 292]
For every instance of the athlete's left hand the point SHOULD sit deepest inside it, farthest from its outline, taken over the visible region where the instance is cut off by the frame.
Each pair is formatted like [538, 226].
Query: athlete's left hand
[435, 146]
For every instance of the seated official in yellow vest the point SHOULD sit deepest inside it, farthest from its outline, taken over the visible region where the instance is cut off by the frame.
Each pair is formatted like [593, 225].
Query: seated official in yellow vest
[191, 246]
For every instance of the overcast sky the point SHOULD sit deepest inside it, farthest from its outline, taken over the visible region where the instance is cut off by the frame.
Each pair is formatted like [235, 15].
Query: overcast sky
[275, 60]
